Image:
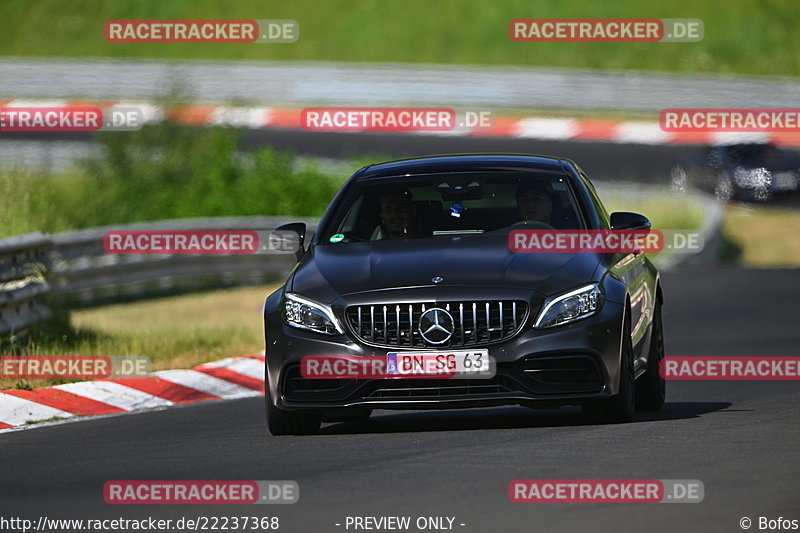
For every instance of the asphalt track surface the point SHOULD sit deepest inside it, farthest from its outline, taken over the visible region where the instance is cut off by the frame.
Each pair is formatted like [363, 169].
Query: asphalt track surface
[598, 159]
[603, 160]
[739, 438]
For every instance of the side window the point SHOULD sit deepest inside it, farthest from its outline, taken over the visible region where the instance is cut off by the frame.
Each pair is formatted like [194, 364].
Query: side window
[598, 205]
[351, 218]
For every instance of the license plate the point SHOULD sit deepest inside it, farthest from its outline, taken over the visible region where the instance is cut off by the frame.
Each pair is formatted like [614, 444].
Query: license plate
[447, 364]
[784, 181]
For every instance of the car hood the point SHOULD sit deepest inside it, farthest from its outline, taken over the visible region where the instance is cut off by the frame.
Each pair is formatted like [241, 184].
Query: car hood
[330, 271]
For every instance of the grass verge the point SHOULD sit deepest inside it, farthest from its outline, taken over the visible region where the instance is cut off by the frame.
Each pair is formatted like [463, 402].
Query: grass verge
[665, 209]
[747, 36]
[764, 236]
[175, 332]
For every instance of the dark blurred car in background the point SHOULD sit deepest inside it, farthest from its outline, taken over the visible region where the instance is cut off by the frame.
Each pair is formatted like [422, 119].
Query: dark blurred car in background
[753, 172]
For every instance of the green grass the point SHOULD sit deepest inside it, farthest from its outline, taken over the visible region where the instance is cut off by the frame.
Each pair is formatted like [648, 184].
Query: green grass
[765, 236]
[666, 210]
[17, 215]
[163, 172]
[745, 36]
[36, 202]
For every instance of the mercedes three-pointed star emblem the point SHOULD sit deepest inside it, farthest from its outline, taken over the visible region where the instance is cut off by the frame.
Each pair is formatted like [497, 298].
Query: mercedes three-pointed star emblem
[436, 325]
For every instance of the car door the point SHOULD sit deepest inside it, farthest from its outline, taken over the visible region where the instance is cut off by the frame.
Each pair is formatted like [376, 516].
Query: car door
[632, 269]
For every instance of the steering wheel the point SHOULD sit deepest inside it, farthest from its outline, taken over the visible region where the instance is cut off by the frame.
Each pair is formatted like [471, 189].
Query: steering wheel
[354, 238]
[532, 224]
[528, 224]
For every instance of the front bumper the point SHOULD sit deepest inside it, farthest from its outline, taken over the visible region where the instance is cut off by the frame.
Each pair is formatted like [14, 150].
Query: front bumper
[566, 365]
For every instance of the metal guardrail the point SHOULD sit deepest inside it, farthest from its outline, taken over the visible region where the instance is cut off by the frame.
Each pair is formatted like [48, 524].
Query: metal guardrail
[74, 269]
[87, 275]
[304, 83]
[24, 270]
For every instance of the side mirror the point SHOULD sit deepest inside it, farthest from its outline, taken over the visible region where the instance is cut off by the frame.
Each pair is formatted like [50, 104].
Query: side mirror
[625, 220]
[289, 238]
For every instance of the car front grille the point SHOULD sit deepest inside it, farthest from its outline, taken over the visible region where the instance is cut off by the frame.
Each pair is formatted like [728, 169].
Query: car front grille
[439, 388]
[475, 323]
[555, 374]
[576, 373]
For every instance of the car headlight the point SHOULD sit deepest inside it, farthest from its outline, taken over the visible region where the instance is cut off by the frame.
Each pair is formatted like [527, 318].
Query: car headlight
[752, 178]
[306, 314]
[571, 306]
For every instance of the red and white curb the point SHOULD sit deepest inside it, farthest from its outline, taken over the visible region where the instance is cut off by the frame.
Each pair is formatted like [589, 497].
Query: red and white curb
[540, 128]
[234, 377]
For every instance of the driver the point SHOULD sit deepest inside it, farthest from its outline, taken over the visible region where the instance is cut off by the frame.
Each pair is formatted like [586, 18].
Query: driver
[397, 214]
[534, 203]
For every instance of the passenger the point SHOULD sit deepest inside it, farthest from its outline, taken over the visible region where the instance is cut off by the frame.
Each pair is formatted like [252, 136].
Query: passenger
[534, 204]
[397, 215]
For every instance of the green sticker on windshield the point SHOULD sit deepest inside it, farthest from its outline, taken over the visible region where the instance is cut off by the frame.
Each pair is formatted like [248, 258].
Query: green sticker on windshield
[339, 237]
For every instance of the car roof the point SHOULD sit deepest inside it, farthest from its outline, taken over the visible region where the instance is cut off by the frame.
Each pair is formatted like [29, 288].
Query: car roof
[746, 146]
[464, 163]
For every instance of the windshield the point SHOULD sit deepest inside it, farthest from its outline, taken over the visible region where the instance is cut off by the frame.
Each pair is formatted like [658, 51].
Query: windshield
[447, 205]
[755, 156]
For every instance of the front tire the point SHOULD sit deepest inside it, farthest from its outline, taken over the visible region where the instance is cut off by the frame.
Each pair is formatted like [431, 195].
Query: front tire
[651, 387]
[618, 409]
[282, 422]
